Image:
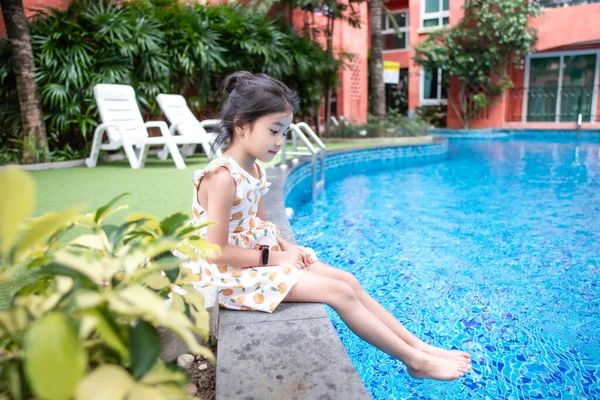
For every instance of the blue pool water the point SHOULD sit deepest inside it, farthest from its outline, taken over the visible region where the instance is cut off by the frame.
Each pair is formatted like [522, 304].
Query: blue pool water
[495, 251]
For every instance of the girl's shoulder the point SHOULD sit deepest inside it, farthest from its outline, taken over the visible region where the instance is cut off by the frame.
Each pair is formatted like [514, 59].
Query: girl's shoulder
[213, 166]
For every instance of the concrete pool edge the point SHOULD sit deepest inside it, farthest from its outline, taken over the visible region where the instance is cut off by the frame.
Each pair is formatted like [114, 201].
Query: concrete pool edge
[294, 352]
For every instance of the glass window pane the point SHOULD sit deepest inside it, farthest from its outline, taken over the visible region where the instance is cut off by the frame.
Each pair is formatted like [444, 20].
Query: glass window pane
[384, 21]
[543, 89]
[400, 19]
[446, 21]
[393, 41]
[430, 84]
[432, 6]
[446, 5]
[444, 94]
[427, 23]
[577, 87]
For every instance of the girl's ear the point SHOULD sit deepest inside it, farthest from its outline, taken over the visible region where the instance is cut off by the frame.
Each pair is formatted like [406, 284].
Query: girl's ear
[239, 128]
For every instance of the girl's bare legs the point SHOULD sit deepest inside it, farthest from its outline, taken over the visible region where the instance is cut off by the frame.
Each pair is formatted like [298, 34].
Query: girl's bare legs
[384, 315]
[315, 288]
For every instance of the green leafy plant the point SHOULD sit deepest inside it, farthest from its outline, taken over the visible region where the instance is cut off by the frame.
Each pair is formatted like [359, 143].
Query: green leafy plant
[157, 46]
[478, 51]
[395, 124]
[435, 115]
[88, 323]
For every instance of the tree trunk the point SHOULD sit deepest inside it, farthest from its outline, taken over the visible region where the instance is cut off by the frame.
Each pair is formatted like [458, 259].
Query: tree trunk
[328, 85]
[464, 106]
[376, 78]
[35, 144]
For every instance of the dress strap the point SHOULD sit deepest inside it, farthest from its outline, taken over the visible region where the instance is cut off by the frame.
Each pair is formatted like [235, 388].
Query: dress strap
[216, 164]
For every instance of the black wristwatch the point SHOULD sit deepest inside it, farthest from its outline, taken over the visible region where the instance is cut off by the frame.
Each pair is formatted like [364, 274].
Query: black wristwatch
[265, 254]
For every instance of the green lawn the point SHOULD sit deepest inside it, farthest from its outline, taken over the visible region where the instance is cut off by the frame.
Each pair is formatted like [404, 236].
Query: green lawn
[159, 189]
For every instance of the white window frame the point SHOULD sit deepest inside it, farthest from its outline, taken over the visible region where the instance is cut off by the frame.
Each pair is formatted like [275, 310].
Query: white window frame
[390, 29]
[430, 102]
[440, 15]
[561, 55]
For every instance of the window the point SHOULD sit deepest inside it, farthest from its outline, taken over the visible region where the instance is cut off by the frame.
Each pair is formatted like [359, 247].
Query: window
[560, 87]
[433, 87]
[393, 40]
[435, 13]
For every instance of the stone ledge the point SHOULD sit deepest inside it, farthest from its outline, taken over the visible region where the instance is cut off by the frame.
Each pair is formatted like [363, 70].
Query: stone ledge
[285, 360]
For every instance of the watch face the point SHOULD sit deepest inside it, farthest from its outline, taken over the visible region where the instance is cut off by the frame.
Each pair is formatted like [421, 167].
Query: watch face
[265, 255]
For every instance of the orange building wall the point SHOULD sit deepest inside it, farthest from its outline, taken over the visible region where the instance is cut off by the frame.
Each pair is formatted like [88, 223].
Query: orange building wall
[31, 6]
[399, 56]
[559, 29]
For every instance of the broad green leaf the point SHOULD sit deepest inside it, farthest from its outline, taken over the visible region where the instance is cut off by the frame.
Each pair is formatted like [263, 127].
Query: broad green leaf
[55, 360]
[156, 281]
[103, 212]
[99, 241]
[107, 382]
[41, 229]
[177, 303]
[39, 304]
[98, 270]
[88, 299]
[16, 204]
[134, 217]
[134, 259]
[143, 392]
[173, 222]
[138, 301]
[107, 333]
[144, 348]
[206, 248]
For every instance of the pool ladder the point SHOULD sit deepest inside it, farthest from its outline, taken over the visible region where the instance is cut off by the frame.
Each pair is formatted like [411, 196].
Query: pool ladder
[308, 136]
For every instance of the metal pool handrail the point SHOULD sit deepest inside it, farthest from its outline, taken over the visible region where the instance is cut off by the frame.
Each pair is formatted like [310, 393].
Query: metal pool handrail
[304, 132]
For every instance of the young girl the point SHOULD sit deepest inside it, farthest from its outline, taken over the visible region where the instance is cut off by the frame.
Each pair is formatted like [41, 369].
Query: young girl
[257, 269]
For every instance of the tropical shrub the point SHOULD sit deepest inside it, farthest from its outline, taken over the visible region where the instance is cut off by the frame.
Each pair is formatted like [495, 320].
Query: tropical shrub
[157, 46]
[395, 124]
[88, 323]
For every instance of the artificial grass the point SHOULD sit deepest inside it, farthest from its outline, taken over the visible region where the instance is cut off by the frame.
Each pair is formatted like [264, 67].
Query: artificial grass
[159, 189]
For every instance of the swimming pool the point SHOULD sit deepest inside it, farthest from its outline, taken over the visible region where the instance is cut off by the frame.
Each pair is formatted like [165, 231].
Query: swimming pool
[495, 250]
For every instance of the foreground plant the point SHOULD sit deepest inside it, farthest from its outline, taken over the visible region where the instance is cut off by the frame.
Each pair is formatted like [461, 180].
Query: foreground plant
[87, 326]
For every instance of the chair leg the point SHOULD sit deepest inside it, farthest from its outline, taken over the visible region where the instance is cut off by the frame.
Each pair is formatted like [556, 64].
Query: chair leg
[92, 160]
[189, 150]
[142, 155]
[130, 153]
[207, 149]
[174, 150]
[164, 153]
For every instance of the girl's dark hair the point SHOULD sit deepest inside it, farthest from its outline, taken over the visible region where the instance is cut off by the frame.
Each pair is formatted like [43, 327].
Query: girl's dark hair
[250, 97]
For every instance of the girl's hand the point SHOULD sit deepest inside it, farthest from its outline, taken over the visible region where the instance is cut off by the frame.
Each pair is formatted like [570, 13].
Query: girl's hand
[292, 256]
[307, 256]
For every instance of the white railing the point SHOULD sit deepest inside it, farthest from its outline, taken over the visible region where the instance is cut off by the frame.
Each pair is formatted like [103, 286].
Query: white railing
[303, 132]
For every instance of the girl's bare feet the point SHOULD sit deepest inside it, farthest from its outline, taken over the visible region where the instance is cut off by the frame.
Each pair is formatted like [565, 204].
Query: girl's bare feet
[456, 355]
[438, 368]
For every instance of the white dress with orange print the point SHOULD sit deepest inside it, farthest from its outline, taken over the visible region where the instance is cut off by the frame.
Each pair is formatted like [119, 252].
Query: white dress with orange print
[255, 288]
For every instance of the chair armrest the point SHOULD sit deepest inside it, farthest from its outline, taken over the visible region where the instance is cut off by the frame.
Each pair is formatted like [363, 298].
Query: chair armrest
[210, 122]
[103, 127]
[162, 125]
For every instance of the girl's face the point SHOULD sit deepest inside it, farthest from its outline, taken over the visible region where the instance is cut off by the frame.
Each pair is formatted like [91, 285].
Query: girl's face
[266, 136]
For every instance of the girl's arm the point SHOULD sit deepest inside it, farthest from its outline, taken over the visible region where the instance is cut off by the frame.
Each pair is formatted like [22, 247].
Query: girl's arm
[285, 245]
[220, 193]
[260, 213]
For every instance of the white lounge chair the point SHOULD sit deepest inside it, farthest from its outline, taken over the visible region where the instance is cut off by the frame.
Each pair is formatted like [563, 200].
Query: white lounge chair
[123, 123]
[183, 121]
